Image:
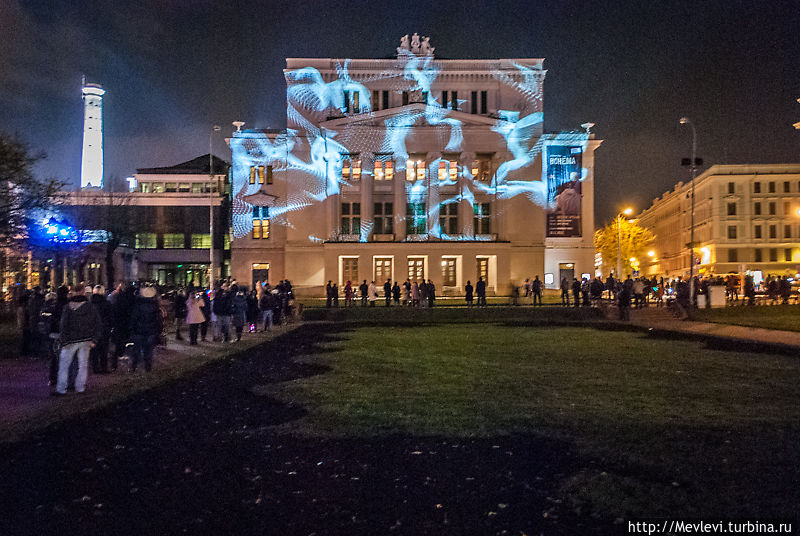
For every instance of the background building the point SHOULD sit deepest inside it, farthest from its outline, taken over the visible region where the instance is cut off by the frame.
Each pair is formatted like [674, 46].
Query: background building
[413, 167]
[746, 219]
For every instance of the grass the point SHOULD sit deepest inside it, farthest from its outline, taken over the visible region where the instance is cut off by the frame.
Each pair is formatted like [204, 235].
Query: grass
[783, 317]
[671, 428]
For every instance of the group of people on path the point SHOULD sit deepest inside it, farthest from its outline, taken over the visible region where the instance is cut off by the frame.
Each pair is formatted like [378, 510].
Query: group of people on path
[81, 326]
[417, 294]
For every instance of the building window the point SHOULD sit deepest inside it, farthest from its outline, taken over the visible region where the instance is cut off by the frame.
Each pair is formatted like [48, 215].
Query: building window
[757, 231]
[759, 256]
[484, 94]
[351, 101]
[450, 99]
[786, 187]
[197, 187]
[474, 102]
[383, 170]
[350, 269]
[415, 218]
[385, 95]
[731, 209]
[448, 218]
[201, 241]
[787, 254]
[482, 218]
[732, 232]
[261, 223]
[174, 241]
[184, 187]
[383, 269]
[773, 254]
[383, 218]
[787, 231]
[351, 167]
[405, 98]
[772, 187]
[375, 102]
[787, 209]
[415, 169]
[416, 268]
[772, 208]
[144, 187]
[448, 272]
[773, 231]
[757, 208]
[351, 218]
[448, 169]
[731, 187]
[733, 255]
[756, 187]
[171, 187]
[482, 268]
[145, 241]
[482, 168]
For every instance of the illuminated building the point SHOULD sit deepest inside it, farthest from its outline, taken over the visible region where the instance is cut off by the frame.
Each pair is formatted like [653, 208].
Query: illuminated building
[746, 219]
[92, 153]
[163, 226]
[413, 167]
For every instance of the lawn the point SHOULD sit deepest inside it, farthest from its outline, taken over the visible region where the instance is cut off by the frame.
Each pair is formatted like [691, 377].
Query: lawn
[785, 317]
[661, 427]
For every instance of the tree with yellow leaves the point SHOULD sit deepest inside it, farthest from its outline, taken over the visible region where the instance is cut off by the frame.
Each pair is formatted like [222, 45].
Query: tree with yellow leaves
[626, 236]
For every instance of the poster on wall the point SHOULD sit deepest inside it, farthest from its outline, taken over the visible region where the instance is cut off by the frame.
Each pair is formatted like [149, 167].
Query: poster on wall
[563, 191]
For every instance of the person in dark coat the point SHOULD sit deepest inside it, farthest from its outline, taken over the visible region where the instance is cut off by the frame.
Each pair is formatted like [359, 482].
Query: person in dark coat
[536, 290]
[99, 354]
[80, 329]
[179, 301]
[206, 308]
[145, 327]
[223, 309]
[363, 289]
[239, 304]
[51, 318]
[431, 293]
[329, 294]
[468, 293]
[396, 293]
[576, 292]
[387, 292]
[480, 290]
[122, 301]
[624, 302]
[252, 310]
[565, 285]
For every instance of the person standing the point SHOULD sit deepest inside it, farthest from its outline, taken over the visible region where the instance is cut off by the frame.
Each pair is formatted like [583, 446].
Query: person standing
[387, 292]
[194, 315]
[431, 293]
[565, 292]
[363, 289]
[122, 306]
[335, 293]
[372, 291]
[99, 354]
[468, 293]
[145, 328]
[180, 313]
[80, 330]
[223, 308]
[348, 294]
[396, 293]
[536, 290]
[415, 295]
[239, 305]
[328, 294]
[576, 292]
[480, 290]
[206, 308]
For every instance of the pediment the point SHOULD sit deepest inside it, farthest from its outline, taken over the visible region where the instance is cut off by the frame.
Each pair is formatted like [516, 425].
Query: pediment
[379, 118]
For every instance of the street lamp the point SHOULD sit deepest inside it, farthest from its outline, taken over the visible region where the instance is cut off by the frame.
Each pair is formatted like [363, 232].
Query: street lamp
[693, 165]
[211, 270]
[626, 212]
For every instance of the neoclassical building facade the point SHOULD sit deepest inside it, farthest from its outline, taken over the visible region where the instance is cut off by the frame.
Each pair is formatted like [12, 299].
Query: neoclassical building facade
[412, 168]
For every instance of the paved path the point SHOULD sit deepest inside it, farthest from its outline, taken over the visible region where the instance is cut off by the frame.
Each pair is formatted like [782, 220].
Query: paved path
[663, 320]
[26, 403]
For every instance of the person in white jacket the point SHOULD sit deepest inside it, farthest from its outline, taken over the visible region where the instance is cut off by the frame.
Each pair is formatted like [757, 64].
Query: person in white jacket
[194, 315]
[372, 294]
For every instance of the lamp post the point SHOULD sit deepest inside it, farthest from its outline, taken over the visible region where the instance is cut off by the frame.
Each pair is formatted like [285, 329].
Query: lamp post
[693, 166]
[626, 212]
[211, 268]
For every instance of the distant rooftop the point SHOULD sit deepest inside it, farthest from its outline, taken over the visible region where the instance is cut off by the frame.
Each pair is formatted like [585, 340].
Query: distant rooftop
[195, 166]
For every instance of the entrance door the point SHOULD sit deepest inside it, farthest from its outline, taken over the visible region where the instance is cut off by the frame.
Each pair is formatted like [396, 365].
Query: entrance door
[565, 270]
[416, 268]
[482, 269]
[383, 269]
[260, 273]
[448, 272]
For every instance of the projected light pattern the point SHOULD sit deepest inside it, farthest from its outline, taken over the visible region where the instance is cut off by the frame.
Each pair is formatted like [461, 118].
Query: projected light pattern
[334, 121]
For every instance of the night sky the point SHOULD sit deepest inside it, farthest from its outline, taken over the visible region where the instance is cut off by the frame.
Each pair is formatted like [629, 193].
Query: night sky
[633, 68]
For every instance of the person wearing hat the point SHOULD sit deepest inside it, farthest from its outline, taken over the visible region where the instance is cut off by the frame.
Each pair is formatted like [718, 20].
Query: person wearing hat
[80, 331]
[99, 354]
[146, 326]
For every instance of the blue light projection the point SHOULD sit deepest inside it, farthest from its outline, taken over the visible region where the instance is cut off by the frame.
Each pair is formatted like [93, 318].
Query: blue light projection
[313, 152]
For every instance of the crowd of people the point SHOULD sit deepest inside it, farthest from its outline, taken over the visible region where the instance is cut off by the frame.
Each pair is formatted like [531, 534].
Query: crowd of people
[410, 294]
[82, 327]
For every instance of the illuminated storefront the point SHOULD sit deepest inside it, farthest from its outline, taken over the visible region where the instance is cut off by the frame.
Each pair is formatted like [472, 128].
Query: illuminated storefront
[412, 167]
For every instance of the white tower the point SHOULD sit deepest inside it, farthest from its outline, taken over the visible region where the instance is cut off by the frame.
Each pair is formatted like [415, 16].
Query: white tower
[92, 157]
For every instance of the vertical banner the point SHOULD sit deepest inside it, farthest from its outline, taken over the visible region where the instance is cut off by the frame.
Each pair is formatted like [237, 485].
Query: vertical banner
[563, 191]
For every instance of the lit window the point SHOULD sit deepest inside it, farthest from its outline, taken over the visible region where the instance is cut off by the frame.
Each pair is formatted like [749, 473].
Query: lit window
[184, 187]
[201, 241]
[144, 187]
[197, 187]
[145, 240]
[158, 187]
[171, 187]
[173, 241]
[260, 223]
[448, 169]
[260, 174]
[351, 167]
[481, 169]
[252, 174]
[383, 170]
[415, 170]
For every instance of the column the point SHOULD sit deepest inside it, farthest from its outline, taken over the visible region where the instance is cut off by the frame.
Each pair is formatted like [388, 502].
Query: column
[366, 187]
[432, 198]
[465, 211]
[399, 202]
